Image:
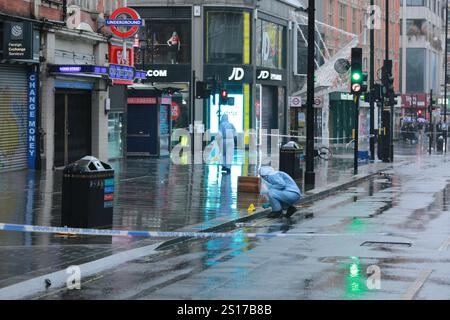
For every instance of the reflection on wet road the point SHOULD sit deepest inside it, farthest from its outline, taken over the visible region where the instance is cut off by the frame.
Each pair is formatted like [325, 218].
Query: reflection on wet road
[395, 224]
[151, 194]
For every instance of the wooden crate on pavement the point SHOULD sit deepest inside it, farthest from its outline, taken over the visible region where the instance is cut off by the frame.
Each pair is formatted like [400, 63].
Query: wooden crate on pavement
[249, 184]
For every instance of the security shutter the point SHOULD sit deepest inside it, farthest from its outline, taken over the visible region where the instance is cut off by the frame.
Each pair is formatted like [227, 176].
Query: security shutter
[13, 117]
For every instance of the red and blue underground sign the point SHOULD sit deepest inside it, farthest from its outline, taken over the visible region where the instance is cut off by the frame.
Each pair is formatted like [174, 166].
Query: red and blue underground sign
[124, 22]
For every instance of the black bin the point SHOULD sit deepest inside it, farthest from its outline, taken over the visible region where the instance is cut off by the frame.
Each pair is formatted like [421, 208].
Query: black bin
[290, 156]
[440, 143]
[88, 194]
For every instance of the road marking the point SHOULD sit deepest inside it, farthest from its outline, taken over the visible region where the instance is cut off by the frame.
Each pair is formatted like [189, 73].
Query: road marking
[417, 285]
[444, 246]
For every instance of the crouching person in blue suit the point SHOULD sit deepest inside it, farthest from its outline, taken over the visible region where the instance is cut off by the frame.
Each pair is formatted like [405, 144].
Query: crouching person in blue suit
[282, 192]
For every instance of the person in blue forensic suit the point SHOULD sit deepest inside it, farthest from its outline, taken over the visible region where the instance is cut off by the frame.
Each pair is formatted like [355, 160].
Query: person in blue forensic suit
[282, 192]
[228, 132]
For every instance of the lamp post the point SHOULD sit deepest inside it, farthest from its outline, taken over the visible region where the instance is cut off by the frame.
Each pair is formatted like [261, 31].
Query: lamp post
[445, 131]
[310, 176]
[372, 85]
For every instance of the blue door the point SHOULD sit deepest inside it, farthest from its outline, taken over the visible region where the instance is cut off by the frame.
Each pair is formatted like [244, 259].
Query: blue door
[143, 125]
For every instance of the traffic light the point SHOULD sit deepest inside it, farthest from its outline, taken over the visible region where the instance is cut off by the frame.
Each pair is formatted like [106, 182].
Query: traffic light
[387, 78]
[202, 90]
[223, 97]
[395, 98]
[364, 86]
[357, 76]
[419, 113]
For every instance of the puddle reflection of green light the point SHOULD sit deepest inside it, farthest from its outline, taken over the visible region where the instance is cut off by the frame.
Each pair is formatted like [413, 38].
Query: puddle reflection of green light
[357, 225]
[355, 281]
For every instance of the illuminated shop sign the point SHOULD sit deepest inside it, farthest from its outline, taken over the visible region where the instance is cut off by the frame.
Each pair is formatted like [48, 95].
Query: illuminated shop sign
[117, 72]
[268, 75]
[74, 69]
[141, 74]
[32, 119]
[113, 72]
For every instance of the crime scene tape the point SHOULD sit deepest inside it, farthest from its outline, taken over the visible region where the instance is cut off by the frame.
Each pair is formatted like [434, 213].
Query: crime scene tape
[151, 234]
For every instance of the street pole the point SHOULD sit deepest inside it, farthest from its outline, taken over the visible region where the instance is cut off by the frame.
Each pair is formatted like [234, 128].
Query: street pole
[391, 131]
[356, 134]
[192, 113]
[309, 174]
[430, 131]
[445, 79]
[372, 84]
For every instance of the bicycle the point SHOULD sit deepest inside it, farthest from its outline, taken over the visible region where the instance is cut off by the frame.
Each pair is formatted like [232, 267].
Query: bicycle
[323, 153]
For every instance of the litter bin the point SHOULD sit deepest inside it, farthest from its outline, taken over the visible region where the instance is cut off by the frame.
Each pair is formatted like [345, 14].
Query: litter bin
[290, 155]
[88, 194]
[440, 143]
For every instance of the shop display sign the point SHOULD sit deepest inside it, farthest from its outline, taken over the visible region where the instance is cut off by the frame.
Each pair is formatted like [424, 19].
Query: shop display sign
[74, 69]
[117, 56]
[268, 75]
[32, 125]
[117, 72]
[18, 40]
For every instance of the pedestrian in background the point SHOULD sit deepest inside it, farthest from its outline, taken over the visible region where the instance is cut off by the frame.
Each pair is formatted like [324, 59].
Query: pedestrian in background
[228, 132]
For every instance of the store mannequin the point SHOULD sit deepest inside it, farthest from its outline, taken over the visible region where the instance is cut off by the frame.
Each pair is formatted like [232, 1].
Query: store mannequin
[174, 44]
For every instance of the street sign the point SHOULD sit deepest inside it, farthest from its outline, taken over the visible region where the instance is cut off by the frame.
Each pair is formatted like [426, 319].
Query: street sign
[296, 102]
[132, 22]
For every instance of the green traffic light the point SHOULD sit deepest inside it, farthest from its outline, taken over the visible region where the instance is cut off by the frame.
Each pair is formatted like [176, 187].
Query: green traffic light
[357, 76]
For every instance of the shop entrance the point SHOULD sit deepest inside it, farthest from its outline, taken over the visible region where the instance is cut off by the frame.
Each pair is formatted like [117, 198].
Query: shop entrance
[72, 126]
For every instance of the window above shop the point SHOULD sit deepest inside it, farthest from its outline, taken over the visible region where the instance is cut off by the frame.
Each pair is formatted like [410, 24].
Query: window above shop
[270, 45]
[88, 5]
[165, 41]
[228, 36]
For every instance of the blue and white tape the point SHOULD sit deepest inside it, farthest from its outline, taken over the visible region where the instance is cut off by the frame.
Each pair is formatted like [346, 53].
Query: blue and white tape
[152, 234]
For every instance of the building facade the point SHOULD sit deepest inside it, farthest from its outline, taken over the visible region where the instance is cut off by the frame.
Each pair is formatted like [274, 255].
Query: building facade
[345, 22]
[422, 53]
[54, 68]
[246, 46]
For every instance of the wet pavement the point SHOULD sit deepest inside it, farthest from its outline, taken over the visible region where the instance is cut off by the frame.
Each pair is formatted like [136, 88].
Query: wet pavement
[151, 194]
[396, 224]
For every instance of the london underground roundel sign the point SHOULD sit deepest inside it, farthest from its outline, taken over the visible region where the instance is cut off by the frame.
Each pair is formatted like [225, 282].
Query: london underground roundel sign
[124, 28]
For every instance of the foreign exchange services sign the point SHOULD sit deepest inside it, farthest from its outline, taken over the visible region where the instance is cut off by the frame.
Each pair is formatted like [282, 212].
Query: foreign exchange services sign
[18, 40]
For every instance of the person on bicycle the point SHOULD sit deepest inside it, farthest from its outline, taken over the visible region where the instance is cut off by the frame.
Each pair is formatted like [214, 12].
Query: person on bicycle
[282, 192]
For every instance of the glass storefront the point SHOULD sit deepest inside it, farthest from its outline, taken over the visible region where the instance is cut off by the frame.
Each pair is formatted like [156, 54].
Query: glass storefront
[238, 113]
[228, 36]
[115, 135]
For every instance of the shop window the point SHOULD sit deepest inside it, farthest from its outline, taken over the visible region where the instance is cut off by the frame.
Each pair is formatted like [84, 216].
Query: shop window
[228, 37]
[238, 112]
[302, 49]
[270, 40]
[88, 5]
[115, 135]
[165, 42]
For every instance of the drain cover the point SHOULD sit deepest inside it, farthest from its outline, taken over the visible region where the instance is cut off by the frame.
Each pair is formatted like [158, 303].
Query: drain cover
[385, 244]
